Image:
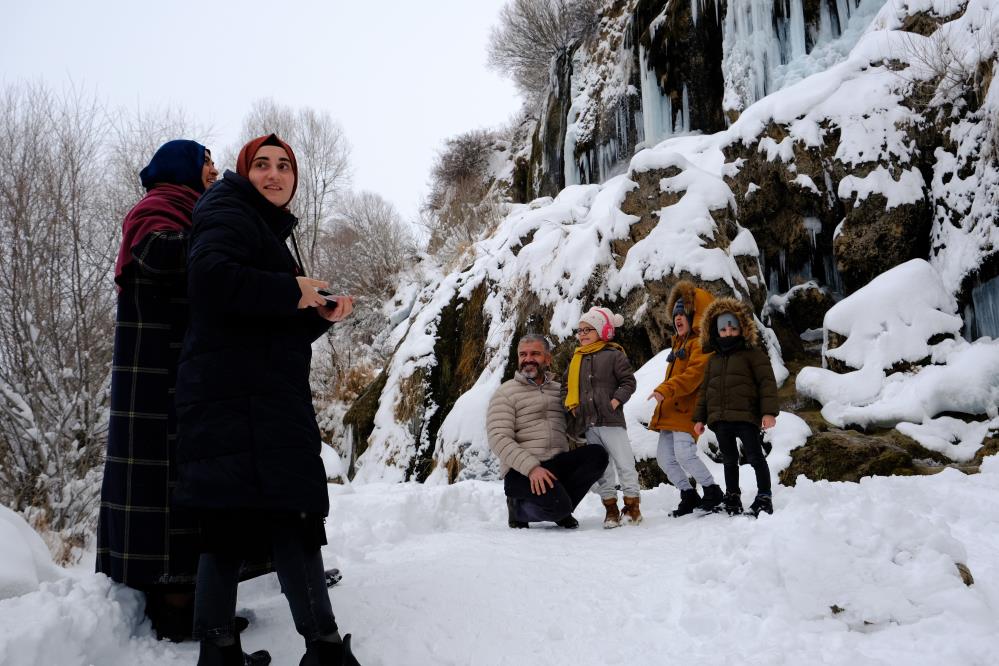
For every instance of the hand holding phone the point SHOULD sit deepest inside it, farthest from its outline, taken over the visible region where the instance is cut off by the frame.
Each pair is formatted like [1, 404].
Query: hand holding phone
[337, 308]
[331, 299]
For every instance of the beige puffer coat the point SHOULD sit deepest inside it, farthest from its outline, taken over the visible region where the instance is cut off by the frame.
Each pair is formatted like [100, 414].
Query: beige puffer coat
[525, 424]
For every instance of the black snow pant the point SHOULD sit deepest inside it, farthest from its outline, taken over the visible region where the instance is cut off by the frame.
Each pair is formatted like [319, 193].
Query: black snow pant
[576, 471]
[752, 447]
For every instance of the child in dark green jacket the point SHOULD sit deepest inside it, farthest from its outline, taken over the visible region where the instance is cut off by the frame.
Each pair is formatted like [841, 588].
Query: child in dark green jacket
[738, 397]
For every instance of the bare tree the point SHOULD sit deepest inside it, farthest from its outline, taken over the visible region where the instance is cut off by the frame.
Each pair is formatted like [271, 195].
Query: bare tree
[460, 205]
[532, 32]
[56, 250]
[134, 136]
[366, 245]
[323, 156]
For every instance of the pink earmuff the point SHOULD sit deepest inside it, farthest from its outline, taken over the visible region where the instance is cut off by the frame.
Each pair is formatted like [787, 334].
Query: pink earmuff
[607, 332]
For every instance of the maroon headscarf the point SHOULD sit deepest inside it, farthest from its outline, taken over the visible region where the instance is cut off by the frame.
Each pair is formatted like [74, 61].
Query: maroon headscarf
[249, 151]
[166, 207]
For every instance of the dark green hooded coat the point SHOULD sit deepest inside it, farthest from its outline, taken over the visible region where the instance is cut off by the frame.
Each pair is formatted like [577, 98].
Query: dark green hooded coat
[738, 385]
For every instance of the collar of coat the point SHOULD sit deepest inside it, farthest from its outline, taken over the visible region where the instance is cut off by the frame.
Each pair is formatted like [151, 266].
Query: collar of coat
[279, 220]
[549, 377]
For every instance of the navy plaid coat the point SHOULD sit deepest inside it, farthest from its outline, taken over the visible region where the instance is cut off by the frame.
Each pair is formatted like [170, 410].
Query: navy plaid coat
[141, 540]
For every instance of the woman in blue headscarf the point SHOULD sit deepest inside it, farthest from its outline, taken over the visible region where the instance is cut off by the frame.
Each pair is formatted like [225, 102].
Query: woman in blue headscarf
[141, 541]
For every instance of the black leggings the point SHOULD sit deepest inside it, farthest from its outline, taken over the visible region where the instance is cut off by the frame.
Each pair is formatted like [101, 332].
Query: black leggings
[303, 582]
[576, 471]
[752, 446]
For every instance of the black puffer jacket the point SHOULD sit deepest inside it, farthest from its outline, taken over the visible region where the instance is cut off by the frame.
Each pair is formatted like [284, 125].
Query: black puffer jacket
[248, 432]
[739, 385]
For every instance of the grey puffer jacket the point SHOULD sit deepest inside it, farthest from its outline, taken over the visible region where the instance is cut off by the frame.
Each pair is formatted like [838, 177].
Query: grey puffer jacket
[525, 424]
[603, 376]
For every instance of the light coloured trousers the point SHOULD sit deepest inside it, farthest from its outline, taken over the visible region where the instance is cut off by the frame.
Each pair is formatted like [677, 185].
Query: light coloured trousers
[677, 455]
[622, 461]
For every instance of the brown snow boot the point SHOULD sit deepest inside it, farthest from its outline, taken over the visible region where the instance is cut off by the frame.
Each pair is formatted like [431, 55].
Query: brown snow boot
[632, 514]
[613, 517]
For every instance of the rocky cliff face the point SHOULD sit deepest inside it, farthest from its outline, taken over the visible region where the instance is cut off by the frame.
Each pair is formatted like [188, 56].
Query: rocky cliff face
[878, 143]
[656, 69]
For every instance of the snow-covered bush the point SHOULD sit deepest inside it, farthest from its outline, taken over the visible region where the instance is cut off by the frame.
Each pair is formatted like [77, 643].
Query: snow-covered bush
[904, 320]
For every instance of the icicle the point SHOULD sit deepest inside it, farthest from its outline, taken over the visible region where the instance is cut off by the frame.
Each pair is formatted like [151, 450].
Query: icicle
[813, 226]
[684, 114]
[985, 298]
[657, 111]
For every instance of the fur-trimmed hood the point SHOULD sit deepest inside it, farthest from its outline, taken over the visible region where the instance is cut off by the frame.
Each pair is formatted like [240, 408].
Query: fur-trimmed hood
[695, 302]
[742, 312]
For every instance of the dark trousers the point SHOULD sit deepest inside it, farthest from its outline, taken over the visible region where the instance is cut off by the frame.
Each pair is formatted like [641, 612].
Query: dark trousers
[752, 447]
[303, 582]
[576, 471]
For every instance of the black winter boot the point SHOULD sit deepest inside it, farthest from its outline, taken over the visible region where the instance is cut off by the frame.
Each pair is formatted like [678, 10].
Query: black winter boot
[689, 499]
[213, 654]
[511, 515]
[568, 522]
[712, 498]
[733, 504]
[763, 502]
[324, 653]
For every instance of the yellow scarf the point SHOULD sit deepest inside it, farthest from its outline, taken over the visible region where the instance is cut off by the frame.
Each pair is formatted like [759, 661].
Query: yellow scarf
[572, 394]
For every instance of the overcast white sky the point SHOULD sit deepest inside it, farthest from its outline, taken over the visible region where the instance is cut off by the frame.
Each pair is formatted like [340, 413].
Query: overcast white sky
[400, 76]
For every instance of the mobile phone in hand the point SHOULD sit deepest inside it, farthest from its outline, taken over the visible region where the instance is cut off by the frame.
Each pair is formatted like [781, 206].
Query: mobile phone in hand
[331, 300]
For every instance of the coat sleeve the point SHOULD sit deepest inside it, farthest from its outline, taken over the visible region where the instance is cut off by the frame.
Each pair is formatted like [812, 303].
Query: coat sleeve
[701, 410]
[314, 325]
[766, 383]
[688, 381]
[625, 378]
[162, 254]
[500, 422]
[221, 275]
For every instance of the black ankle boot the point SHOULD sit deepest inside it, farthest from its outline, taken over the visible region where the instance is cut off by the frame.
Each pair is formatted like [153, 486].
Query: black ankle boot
[733, 504]
[712, 498]
[511, 513]
[689, 500]
[323, 653]
[213, 654]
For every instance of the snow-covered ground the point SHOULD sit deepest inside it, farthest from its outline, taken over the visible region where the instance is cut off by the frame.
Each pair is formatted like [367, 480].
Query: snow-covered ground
[434, 576]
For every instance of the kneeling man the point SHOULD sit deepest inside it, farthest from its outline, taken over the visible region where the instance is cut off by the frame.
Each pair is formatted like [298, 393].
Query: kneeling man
[525, 424]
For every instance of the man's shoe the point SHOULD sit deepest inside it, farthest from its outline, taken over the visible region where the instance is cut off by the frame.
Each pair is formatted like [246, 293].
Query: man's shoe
[511, 510]
[568, 522]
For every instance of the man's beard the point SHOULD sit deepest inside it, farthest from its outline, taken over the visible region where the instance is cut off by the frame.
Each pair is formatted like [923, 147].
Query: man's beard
[531, 370]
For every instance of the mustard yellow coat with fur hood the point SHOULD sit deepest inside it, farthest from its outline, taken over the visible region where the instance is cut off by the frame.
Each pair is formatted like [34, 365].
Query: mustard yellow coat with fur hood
[738, 385]
[684, 375]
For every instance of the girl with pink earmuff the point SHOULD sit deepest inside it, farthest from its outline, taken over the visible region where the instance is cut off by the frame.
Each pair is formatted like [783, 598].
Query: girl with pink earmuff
[597, 383]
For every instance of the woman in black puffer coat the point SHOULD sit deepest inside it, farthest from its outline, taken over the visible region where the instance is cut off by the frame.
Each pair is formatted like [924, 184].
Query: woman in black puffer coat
[249, 447]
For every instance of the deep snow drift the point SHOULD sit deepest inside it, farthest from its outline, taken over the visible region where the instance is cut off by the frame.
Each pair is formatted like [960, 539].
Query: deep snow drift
[842, 573]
